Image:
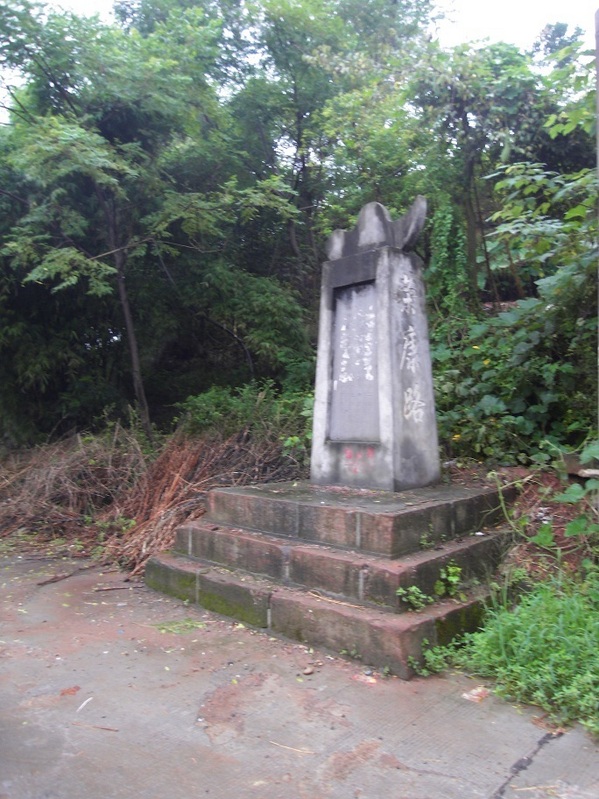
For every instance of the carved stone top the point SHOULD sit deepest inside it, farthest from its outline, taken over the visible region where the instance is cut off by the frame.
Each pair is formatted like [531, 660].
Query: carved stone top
[376, 229]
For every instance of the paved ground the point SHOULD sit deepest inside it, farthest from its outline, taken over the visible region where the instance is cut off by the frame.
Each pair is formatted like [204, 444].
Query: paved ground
[109, 690]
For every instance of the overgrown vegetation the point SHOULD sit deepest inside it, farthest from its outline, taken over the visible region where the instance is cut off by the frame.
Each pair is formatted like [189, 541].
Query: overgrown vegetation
[545, 650]
[540, 639]
[542, 650]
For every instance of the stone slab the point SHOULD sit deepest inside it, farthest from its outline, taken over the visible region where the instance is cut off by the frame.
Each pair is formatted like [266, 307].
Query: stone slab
[388, 641]
[219, 591]
[342, 573]
[234, 548]
[375, 581]
[374, 411]
[381, 522]
[381, 638]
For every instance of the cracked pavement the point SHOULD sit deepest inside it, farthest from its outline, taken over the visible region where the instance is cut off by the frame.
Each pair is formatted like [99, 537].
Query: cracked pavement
[109, 690]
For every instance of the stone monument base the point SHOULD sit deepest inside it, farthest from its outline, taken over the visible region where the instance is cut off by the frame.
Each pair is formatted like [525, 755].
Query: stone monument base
[323, 565]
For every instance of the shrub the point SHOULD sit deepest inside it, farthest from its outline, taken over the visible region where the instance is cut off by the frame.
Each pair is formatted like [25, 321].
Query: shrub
[507, 382]
[255, 407]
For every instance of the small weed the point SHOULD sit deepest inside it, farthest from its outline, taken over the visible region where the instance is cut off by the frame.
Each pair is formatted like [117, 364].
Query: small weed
[544, 536]
[57, 546]
[449, 581]
[98, 552]
[181, 627]
[426, 541]
[584, 528]
[434, 659]
[296, 448]
[119, 525]
[351, 653]
[414, 597]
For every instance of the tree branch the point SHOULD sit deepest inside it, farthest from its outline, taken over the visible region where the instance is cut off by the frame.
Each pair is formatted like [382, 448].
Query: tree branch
[241, 343]
[23, 113]
[14, 197]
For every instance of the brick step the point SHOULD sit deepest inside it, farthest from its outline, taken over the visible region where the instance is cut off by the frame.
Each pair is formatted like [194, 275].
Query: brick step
[339, 573]
[378, 637]
[378, 522]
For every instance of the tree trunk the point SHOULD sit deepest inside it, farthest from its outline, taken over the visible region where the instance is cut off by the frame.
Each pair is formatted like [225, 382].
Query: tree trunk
[138, 386]
[109, 207]
[471, 225]
[470, 157]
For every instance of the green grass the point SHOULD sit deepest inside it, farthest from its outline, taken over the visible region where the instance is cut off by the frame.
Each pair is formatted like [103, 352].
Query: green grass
[545, 651]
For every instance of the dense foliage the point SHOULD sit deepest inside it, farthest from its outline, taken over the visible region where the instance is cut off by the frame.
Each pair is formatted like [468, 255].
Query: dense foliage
[169, 179]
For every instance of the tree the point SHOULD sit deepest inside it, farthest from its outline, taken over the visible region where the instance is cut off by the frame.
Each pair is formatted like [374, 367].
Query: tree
[309, 54]
[96, 141]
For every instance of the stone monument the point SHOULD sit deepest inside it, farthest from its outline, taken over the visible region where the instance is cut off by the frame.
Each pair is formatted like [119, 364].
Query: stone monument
[330, 562]
[374, 413]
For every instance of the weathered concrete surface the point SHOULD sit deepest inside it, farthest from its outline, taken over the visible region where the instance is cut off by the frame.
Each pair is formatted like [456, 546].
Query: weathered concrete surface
[257, 545]
[97, 702]
[382, 638]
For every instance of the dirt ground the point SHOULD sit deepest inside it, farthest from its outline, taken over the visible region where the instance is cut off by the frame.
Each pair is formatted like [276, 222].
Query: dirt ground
[109, 690]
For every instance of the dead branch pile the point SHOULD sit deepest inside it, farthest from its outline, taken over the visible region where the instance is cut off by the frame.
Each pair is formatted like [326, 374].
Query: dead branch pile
[104, 493]
[174, 487]
[51, 491]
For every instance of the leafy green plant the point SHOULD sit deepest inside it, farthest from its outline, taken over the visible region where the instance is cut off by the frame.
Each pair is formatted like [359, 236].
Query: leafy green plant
[583, 529]
[352, 653]
[544, 537]
[543, 649]
[426, 541]
[511, 382]
[449, 581]
[414, 597]
[298, 446]
[435, 659]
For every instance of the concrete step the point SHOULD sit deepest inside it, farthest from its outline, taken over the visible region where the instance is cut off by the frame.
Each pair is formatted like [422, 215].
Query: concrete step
[378, 522]
[341, 574]
[380, 638]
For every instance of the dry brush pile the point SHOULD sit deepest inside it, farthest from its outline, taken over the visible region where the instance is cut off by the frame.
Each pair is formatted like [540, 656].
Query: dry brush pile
[51, 491]
[112, 498]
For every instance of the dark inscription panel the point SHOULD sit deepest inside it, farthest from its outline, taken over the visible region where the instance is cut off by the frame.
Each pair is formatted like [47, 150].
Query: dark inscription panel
[354, 411]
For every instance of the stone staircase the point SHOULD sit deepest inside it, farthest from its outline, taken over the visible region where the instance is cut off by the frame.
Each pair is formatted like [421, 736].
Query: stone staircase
[322, 565]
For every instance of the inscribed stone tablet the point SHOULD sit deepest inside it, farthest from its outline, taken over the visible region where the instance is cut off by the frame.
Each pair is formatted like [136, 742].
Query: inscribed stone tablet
[354, 410]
